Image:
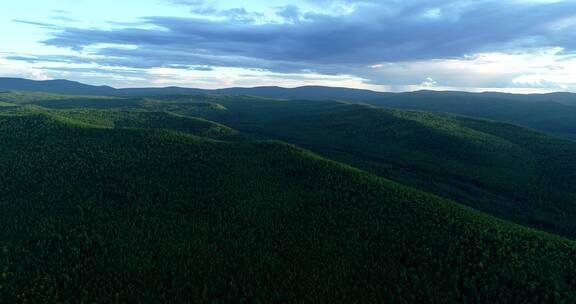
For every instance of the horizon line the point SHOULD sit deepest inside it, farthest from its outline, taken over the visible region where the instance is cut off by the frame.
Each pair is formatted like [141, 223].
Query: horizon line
[431, 89]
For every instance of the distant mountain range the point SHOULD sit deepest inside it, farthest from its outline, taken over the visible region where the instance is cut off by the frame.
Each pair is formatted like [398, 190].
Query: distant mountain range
[553, 113]
[61, 86]
[71, 87]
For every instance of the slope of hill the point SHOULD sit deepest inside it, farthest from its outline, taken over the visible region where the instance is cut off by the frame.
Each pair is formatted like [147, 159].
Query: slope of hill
[505, 170]
[546, 115]
[26, 97]
[114, 215]
[59, 86]
[75, 88]
[306, 92]
[559, 97]
[152, 120]
[553, 113]
[527, 182]
[479, 163]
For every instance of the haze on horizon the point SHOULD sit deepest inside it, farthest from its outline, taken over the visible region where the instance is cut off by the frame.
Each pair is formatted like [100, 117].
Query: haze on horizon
[519, 46]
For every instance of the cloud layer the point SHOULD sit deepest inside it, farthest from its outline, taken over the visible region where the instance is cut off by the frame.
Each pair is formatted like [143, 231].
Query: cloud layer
[391, 42]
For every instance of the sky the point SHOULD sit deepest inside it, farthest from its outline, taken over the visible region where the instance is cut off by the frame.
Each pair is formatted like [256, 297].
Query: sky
[520, 46]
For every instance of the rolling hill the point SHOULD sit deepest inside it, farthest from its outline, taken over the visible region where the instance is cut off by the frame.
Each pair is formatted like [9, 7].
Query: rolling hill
[180, 198]
[505, 170]
[59, 86]
[119, 119]
[157, 215]
[62, 86]
[75, 88]
[557, 117]
[552, 113]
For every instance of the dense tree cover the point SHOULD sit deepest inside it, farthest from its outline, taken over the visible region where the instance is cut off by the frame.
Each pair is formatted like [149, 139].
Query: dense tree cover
[25, 97]
[480, 163]
[152, 120]
[100, 215]
[55, 86]
[92, 102]
[553, 112]
[121, 119]
[505, 170]
[542, 114]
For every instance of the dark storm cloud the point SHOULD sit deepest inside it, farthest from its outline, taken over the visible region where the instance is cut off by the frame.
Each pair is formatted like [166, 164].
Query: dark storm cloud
[376, 31]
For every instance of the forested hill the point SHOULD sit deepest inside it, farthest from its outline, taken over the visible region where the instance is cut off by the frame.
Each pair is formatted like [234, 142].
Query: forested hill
[76, 88]
[553, 113]
[154, 215]
[62, 86]
[505, 170]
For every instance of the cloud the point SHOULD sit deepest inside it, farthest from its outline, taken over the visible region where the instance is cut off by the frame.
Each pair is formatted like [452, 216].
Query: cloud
[429, 83]
[209, 9]
[196, 6]
[546, 68]
[240, 15]
[64, 18]
[441, 36]
[11, 69]
[290, 13]
[393, 32]
[41, 24]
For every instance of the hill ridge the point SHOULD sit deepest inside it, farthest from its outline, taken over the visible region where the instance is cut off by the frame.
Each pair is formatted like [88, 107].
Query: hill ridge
[242, 220]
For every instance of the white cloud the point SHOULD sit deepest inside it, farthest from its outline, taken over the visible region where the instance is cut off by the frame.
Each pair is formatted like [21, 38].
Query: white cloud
[543, 69]
[429, 83]
[538, 70]
[21, 69]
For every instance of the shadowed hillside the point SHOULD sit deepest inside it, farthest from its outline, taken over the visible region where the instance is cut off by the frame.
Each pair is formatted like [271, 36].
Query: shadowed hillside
[506, 170]
[528, 110]
[553, 112]
[157, 216]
